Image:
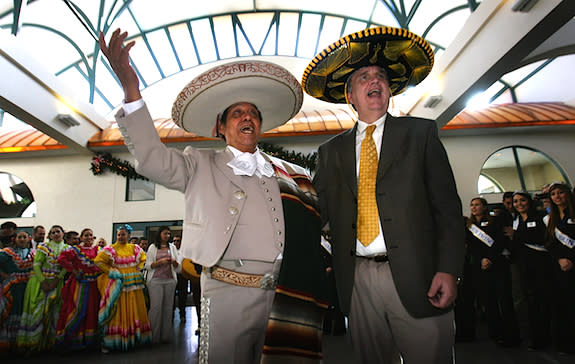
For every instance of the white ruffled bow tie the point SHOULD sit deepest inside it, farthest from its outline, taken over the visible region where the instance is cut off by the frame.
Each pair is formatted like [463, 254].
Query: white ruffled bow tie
[248, 164]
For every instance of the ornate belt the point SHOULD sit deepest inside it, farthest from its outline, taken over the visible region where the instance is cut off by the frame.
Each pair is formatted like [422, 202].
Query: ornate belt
[263, 281]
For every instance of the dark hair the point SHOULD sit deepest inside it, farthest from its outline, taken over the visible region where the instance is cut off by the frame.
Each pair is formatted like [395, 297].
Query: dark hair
[38, 227]
[527, 195]
[84, 230]
[158, 240]
[9, 225]
[554, 213]
[126, 227]
[55, 226]
[508, 194]
[69, 235]
[222, 118]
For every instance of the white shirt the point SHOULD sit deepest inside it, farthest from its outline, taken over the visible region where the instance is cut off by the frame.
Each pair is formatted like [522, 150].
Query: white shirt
[377, 247]
[248, 164]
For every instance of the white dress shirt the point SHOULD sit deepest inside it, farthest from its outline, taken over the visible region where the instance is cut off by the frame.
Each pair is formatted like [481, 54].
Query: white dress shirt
[377, 247]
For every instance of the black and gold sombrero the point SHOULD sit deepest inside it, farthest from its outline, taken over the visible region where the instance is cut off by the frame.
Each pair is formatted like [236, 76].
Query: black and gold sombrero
[406, 57]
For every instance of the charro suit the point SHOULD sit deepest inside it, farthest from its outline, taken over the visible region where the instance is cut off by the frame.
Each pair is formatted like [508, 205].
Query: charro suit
[419, 209]
[214, 196]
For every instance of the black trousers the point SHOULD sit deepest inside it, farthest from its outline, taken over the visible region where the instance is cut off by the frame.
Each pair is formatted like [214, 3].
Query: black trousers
[565, 322]
[495, 291]
[464, 309]
[538, 283]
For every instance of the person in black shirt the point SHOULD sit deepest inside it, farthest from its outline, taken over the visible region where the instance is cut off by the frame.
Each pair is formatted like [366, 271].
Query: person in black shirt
[486, 242]
[561, 231]
[528, 240]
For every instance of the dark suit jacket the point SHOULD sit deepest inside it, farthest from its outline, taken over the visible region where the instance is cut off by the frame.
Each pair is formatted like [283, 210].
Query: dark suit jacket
[419, 209]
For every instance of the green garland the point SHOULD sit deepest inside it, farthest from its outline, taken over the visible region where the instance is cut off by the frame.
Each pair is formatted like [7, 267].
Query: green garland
[102, 162]
[307, 161]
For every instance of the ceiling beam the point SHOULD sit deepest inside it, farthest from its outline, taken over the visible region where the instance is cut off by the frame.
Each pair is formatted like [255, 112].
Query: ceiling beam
[493, 41]
[34, 95]
[559, 44]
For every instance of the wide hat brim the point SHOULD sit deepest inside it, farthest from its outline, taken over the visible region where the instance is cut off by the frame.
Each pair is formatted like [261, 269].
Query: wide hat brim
[406, 57]
[272, 88]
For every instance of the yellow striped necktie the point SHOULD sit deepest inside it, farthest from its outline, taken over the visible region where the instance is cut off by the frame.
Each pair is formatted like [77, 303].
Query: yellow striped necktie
[367, 215]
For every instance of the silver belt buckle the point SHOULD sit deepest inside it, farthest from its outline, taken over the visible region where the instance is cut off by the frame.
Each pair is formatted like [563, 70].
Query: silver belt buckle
[268, 281]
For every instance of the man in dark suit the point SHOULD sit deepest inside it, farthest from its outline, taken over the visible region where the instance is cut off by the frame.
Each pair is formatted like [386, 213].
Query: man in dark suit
[396, 282]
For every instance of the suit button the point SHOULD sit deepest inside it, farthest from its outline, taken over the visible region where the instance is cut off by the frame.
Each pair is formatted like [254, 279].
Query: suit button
[233, 211]
[240, 195]
[353, 226]
[352, 253]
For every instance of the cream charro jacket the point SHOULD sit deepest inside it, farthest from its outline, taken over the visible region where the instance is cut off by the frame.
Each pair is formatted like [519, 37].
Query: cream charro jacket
[213, 194]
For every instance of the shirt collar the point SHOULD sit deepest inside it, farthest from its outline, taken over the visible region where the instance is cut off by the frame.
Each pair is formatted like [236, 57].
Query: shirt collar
[263, 166]
[362, 125]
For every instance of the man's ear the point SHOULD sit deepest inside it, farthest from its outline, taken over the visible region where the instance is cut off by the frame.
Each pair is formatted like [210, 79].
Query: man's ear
[349, 97]
[221, 128]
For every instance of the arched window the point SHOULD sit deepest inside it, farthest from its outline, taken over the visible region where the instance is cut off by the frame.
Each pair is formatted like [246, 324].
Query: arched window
[16, 199]
[518, 168]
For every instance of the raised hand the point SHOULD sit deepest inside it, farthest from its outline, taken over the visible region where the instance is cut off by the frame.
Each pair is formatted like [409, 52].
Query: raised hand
[119, 57]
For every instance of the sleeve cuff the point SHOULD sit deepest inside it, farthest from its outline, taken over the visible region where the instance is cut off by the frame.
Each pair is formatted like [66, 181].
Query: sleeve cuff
[130, 107]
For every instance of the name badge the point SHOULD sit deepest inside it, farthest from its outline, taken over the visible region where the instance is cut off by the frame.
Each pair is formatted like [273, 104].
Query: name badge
[531, 224]
[484, 223]
[570, 221]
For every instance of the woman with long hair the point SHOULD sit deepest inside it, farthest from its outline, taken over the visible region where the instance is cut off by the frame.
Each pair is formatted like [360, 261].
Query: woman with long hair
[561, 231]
[162, 264]
[122, 318]
[536, 271]
[42, 298]
[486, 241]
[15, 268]
[77, 326]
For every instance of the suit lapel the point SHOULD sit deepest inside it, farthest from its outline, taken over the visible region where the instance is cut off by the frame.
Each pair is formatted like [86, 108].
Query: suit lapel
[346, 158]
[221, 162]
[393, 137]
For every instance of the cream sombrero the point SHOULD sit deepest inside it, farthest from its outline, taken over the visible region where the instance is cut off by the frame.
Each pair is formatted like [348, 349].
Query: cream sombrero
[272, 88]
[405, 56]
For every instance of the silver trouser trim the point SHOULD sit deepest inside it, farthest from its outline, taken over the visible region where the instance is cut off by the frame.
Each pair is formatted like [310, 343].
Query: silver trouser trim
[203, 346]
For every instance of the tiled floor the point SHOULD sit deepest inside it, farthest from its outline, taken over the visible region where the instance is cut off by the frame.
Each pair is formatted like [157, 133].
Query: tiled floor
[336, 351]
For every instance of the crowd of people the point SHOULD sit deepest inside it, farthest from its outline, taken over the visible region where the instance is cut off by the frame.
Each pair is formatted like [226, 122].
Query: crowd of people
[521, 253]
[67, 293]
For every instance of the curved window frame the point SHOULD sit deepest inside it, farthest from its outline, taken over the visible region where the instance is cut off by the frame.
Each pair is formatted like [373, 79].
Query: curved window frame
[519, 169]
[19, 205]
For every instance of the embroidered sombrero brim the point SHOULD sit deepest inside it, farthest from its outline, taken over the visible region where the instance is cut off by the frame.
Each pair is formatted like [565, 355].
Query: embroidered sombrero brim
[272, 88]
[406, 57]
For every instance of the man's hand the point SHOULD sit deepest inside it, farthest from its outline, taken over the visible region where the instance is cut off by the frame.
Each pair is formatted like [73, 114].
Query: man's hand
[485, 264]
[565, 264]
[508, 231]
[48, 285]
[119, 58]
[443, 290]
